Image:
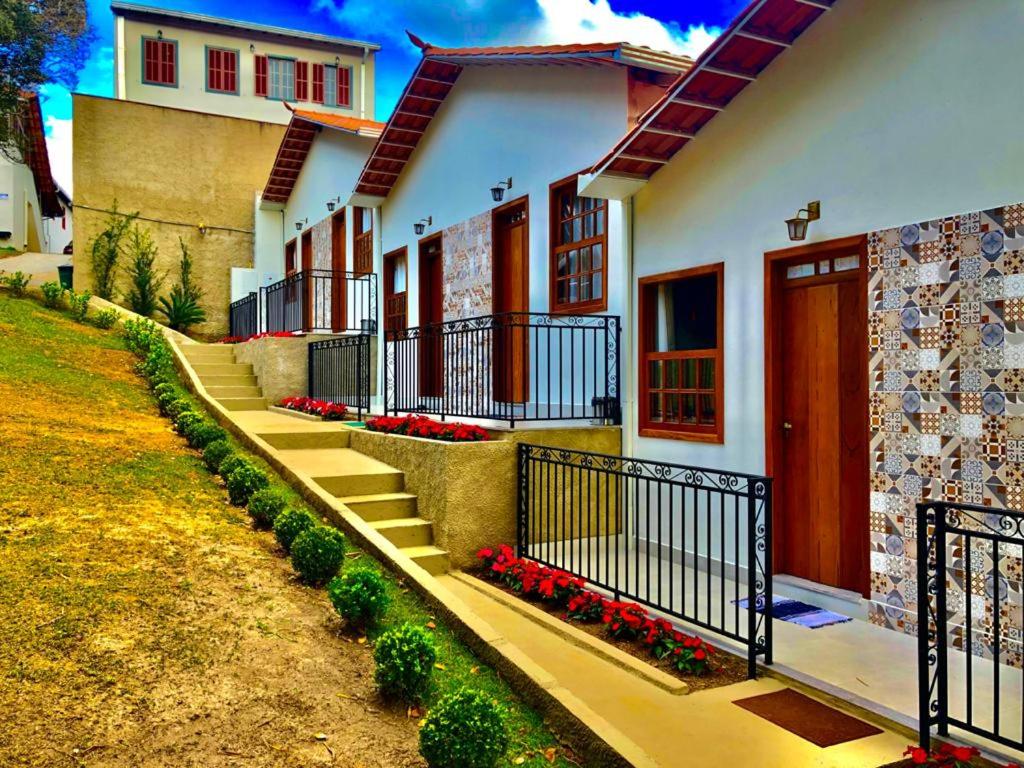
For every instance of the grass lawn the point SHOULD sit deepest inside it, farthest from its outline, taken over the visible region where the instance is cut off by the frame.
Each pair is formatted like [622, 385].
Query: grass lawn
[142, 621]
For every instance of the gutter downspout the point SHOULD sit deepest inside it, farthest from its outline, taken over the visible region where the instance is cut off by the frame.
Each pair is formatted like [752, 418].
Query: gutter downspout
[362, 84]
[626, 364]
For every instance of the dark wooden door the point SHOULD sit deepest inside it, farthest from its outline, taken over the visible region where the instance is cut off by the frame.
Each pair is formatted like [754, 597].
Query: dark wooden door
[307, 280]
[511, 303]
[822, 452]
[431, 316]
[339, 283]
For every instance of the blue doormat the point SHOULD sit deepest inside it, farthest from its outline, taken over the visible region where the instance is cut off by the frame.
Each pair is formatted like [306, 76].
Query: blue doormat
[804, 614]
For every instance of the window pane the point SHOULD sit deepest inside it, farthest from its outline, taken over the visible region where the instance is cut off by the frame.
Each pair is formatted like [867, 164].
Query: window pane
[824, 267]
[563, 265]
[574, 263]
[577, 230]
[598, 285]
[560, 291]
[688, 414]
[689, 374]
[707, 409]
[672, 374]
[684, 314]
[655, 407]
[574, 289]
[600, 222]
[654, 374]
[597, 256]
[584, 259]
[707, 374]
[585, 281]
[588, 226]
[566, 234]
[845, 263]
[331, 86]
[800, 270]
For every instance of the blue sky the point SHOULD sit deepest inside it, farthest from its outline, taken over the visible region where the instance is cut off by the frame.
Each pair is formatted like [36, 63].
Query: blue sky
[684, 26]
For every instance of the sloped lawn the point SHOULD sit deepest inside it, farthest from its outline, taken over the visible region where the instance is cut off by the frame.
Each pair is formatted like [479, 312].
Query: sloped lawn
[142, 621]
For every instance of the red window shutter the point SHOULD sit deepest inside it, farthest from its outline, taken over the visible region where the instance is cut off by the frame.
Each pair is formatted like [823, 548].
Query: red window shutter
[261, 75]
[318, 83]
[344, 89]
[152, 64]
[302, 81]
[213, 70]
[229, 77]
[167, 59]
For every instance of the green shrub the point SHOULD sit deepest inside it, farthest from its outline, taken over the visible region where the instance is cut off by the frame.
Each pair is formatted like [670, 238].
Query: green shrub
[17, 282]
[465, 729]
[290, 524]
[165, 399]
[359, 595]
[177, 407]
[405, 658]
[186, 419]
[159, 363]
[216, 452]
[53, 293]
[78, 303]
[317, 554]
[230, 464]
[243, 481]
[265, 505]
[203, 433]
[105, 251]
[142, 273]
[141, 335]
[106, 318]
[181, 305]
[163, 388]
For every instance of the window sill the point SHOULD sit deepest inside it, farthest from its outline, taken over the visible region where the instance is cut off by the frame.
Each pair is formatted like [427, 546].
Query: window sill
[589, 308]
[691, 437]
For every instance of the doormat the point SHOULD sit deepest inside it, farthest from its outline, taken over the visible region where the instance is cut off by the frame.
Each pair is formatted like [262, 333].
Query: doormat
[804, 614]
[811, 720]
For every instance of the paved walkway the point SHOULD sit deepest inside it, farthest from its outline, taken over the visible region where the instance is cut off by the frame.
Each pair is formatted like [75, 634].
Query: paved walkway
[42, 266]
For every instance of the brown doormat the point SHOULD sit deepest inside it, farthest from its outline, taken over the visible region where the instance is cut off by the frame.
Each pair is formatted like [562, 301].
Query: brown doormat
[807, 718]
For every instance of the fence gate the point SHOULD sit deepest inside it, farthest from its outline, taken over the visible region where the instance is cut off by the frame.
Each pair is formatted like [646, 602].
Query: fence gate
[693, 543]
[339, 371]
[969, 621]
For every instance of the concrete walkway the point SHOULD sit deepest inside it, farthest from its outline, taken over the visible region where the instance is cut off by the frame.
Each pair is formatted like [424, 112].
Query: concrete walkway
[42, 266]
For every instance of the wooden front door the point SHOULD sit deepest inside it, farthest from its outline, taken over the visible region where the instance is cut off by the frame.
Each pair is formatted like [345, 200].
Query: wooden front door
[511, 245]
[339, 282]
[307, 280]
[818, 414]
[431, 316]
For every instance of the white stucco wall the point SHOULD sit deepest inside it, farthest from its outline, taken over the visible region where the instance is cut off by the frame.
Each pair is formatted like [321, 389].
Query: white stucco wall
[191, 92]
[889, 113]
[19, 208]
[58, 232]
[535, 124]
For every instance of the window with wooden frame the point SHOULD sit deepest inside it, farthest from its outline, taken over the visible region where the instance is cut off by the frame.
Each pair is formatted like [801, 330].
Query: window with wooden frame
[302, 81]
[160, 62]
[222, 70]
[282, 79]
[395, 289]
[579, 250]
[362, 240]
[289, 258]
[681, 355]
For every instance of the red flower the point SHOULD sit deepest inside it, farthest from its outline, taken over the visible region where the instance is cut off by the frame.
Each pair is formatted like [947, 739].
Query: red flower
[917, 755]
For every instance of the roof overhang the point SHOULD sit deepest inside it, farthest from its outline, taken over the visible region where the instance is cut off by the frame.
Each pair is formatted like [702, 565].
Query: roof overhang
[737, 57]
[36, 157]
[439, 69]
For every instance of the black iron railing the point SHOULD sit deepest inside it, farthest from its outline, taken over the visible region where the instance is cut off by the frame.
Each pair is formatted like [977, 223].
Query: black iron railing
[244, 316]
[693, 543]
[509, 367]
[339, 371]
[968, 614]
[322, 301]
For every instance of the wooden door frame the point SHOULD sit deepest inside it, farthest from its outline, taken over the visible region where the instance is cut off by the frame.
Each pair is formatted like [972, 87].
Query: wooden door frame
[307, 288]
[523, 201]
[388, 276]
[434, 344]
[524, 297]
[773, 262]
[339, 283]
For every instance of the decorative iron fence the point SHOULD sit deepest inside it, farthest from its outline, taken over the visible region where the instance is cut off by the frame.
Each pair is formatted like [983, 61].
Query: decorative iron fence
[323, 301]
[512, 367]
[339, 371]
[967, 558]
[693, 543]
[244, 317]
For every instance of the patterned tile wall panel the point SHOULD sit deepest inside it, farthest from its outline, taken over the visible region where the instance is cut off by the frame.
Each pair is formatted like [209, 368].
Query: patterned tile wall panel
[467, 268]
[946, 337]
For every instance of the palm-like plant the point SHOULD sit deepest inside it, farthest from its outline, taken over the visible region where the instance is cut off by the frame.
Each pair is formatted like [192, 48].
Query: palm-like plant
[182, 311]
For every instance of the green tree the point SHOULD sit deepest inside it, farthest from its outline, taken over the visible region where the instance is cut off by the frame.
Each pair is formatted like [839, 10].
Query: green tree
[145, 281]
[106, 249]
[41, 41]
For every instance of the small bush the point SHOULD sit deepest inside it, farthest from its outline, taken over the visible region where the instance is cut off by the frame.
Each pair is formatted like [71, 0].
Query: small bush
[465, 729]
[359, 595]
[290, 524]
[177, 407]
[165, 399]
[215, 453]
[243, 481]
[230, 464]
[265, 505]
[203, 433]
[317, 554]
[17, 282]
[163, 388]
[141, 335]
[142, 273]
[159, 363]
[405, 658]
[106, 318]
[78, 303]
[186, 419]
[53, 294]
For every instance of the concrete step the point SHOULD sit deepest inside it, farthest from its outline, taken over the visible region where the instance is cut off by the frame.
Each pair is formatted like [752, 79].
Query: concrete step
[290, 441]
[432, 559]
[208, 353]
[407, 532]
[243, 403]
[222, 369]
[228, 381]
[381, 506]
[362, 485]
[222, 392]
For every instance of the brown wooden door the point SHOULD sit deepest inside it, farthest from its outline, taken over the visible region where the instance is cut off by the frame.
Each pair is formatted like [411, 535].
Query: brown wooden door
[307, 280]
[431, 314]
[821, 449]
[511, 295]
[339, 283]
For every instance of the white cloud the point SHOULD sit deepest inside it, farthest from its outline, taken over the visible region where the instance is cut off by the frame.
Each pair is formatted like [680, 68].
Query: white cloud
[58, 146]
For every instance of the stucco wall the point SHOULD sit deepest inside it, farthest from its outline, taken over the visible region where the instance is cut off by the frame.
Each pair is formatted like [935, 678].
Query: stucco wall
[19, 210]
[178, 167]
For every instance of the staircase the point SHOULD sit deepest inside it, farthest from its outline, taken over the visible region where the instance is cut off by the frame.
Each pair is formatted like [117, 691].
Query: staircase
[373, 490]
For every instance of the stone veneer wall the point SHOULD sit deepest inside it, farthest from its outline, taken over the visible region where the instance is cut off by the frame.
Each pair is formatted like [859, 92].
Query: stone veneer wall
[467, 268]
[946, 340]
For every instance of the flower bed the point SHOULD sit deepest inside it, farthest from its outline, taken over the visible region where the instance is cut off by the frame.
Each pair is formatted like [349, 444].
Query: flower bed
[421, 426]
[327, 410]
[946, 756]
[264, 335]
[627, 625]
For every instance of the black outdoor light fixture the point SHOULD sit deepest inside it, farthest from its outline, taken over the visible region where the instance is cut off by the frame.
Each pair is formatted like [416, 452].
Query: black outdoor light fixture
[332, 204]
[798, 224]
[421, 226]
[498, 190]
[300, 224]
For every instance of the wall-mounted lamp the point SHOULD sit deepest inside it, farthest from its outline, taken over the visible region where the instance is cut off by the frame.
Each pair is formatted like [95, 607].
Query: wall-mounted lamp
[332, 204]
[252, 47]
[498, 190]
[798, 224]
[337, 61]
[300, 224]
[202, 228]
[159, 34]
[421, 226]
